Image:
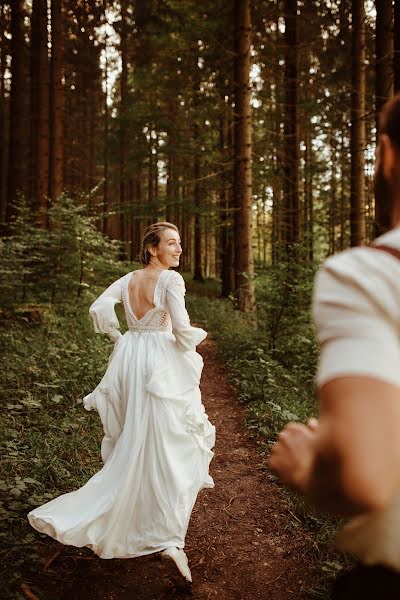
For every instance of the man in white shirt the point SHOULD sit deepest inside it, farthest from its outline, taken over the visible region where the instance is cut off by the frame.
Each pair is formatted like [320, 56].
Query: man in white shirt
[348, 462]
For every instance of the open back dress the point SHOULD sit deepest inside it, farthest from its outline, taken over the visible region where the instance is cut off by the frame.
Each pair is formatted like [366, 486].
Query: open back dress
[158, 441]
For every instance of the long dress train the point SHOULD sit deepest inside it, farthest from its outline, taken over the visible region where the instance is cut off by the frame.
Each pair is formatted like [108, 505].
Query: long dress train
[157, 437]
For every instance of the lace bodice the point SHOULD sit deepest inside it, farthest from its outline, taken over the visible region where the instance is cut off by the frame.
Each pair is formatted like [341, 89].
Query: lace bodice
[157, 318]
[169, 312]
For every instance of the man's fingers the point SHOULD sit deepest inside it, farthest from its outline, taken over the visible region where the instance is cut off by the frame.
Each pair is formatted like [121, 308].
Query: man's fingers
[312, 424]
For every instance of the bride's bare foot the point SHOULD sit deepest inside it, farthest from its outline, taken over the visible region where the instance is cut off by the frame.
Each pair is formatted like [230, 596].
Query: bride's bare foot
[178, 557]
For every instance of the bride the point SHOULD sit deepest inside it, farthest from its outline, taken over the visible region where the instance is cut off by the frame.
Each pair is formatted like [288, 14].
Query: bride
[157, 440]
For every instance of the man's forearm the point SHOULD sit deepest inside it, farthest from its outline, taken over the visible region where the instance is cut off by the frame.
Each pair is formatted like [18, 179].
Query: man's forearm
[324, 489]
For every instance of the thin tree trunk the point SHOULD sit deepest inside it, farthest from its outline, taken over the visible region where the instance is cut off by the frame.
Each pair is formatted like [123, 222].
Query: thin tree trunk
[333, 199]
[396, 38]
[276, 236]
[122, 130]
[198, 262]
[17, 93]
[226, 258]
[343, 207]
[56, 101]
[106, 128]
[383, 89]
[357, 196]
[308, 195]
[40, 110]
[291, 162]
[155, 181]
[242, 175]
[3, 126]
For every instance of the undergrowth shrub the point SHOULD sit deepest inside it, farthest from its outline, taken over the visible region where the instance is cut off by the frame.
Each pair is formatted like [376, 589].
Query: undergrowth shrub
[56, 264]
[50, 444]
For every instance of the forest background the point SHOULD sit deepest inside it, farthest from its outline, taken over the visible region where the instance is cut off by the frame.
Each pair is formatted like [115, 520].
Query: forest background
[251, 125]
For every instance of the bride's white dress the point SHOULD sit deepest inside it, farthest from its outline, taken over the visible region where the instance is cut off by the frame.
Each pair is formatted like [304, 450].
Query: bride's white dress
[157, 444]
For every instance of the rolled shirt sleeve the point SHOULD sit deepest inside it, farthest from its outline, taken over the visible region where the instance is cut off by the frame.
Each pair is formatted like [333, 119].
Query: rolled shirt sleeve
[356, 314]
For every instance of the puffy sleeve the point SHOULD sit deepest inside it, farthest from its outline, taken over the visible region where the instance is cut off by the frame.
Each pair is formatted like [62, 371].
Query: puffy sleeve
[187, 337]
[102, 311]
[356, 313]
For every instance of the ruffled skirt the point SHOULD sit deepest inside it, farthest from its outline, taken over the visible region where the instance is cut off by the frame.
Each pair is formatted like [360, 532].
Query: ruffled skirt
[156, 452]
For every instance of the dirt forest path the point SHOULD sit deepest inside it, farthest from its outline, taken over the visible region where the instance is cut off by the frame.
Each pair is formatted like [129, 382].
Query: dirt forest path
[239, 544]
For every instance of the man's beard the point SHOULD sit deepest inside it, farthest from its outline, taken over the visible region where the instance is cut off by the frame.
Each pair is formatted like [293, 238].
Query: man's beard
[384, 195]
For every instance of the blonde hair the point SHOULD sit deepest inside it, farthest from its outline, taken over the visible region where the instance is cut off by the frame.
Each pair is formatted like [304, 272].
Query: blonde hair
[152, 238]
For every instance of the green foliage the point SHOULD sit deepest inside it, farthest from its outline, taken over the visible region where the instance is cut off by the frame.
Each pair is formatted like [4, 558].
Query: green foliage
[50, 444]
[51, 359]
[55, 264]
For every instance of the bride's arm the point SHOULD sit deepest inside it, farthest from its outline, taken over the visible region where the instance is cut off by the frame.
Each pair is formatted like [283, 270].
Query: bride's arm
[187, 337]
[102, 311]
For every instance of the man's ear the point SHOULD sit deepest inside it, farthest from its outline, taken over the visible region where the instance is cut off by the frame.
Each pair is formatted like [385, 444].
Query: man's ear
[388, 155]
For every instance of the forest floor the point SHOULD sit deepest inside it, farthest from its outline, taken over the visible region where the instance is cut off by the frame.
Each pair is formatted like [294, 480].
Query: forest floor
[240, 543]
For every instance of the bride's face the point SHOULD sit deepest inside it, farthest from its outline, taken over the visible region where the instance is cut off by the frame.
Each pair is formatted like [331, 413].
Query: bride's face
[169, 249]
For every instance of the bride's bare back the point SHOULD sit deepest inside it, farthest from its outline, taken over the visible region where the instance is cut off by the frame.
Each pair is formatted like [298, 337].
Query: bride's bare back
[141, 291]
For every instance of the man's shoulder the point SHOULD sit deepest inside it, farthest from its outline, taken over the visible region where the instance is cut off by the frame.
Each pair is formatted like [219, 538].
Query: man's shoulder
[360, 260]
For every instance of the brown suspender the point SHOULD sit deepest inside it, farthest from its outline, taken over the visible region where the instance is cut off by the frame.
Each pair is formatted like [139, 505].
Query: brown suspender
[393, 251]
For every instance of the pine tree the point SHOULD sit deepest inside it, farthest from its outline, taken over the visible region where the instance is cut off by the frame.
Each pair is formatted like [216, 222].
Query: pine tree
[242, 175]
[357, 198]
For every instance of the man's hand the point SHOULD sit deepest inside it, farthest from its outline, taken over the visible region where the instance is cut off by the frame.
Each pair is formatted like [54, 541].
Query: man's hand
[292, 456]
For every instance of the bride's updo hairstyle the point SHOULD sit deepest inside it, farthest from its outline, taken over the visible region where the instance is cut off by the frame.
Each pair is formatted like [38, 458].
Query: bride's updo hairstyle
[152, 238]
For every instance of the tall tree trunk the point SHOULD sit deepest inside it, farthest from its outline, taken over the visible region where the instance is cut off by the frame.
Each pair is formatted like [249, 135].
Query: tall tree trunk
[308, 195]
[333, 199]
[3, 123]
[226, 254]
[122, 130]
[291, 161]
[17, 93]
[106, 128]
[170, 214]
[383, 89]
[242, 176]
[198, 257]
[40, 110]
[277, 230]
[357, 195]
[56, 100]
[396, 39]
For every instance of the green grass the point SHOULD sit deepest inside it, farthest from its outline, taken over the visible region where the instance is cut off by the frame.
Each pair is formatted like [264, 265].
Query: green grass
[50, 444]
